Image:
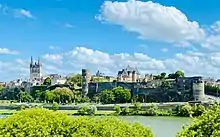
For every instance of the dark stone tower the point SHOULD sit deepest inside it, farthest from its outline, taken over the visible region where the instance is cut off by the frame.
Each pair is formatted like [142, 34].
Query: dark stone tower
[85, 82]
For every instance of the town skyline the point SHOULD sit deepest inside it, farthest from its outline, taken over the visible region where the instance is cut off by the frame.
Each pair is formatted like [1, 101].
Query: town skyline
[68, 38]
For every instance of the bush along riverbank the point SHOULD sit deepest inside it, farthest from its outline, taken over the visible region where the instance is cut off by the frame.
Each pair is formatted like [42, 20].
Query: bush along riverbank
[185, 110]
[181, 111]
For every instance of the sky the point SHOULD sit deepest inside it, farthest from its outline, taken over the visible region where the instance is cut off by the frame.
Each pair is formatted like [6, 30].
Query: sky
[68, 35]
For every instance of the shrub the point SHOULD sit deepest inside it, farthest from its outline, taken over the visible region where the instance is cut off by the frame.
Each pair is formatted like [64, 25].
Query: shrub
[185, 110]
[55, 106]
[137, 108]
[152, 111]
[82, 110]
[87, 110]
[41, 122]
[126, 111]
[91, 110]
[117, 109]
[206, 125]
[198, 110]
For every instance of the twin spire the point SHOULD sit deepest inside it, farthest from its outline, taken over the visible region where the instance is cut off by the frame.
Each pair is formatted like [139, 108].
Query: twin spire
[37, 63]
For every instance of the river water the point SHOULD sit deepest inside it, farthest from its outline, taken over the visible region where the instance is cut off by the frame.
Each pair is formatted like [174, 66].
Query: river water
[161, 126]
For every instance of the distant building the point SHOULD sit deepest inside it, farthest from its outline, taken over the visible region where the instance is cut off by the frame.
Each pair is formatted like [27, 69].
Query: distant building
[35, 71]
[57, 79]
[129, 74]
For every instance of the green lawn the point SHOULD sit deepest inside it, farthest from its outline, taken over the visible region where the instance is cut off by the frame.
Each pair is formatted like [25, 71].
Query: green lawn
[7, 111]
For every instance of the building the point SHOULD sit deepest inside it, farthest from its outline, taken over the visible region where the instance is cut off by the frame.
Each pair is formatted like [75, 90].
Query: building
[128, 74]
[35, 70]
[57, 79]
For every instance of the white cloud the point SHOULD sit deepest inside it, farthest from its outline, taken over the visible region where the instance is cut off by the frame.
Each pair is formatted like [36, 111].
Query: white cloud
[23, 13]
[164, 49]
[54, 47]
[7, 51]
[53, 57]
[68, 25]
[192, 63]
[152, 21]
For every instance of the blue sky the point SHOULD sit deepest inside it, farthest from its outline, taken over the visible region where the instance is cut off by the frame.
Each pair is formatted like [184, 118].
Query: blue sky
[68, 35]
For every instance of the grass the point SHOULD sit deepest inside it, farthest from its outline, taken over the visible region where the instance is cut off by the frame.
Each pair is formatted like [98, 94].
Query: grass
[7, 111]
[74, 112]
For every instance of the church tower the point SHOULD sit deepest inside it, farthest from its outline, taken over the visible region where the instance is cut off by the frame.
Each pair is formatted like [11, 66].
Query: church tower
[35, 70]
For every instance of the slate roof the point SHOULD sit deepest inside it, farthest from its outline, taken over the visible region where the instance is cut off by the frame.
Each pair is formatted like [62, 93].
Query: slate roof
[128, 70]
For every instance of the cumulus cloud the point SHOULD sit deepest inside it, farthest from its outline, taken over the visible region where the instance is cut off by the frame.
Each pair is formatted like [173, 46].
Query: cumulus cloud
[152, 21]
[23, 13]
[54, 47]
[7, 51]
[193, 63]
[68, 25]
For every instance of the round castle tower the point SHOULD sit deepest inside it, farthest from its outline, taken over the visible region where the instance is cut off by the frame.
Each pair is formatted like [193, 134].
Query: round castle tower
[198, 90]
[85, 82]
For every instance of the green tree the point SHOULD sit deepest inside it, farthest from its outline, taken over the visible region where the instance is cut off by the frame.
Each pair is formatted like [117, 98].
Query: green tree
[121, 95]
[50, 96]
[107, 97]
[1, 88]
[47, 81]
[163, 75]
[24, 97]
[63, 95]
[206, 125]
[179, 73]
[75, 80]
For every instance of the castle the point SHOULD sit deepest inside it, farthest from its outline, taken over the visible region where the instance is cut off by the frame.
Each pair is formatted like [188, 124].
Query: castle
[180, 89]
[128, 74]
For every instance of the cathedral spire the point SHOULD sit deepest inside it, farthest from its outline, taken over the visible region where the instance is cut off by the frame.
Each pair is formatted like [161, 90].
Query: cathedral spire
[31, 60]
[39, 62]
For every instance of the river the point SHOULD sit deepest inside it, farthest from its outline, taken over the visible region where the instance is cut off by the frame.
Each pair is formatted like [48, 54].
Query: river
[161, 126]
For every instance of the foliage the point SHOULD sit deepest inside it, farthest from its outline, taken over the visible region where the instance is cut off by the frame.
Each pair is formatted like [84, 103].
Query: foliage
[1, 88]
[75, 80]
[87, 110]
[121, 95]
[50, 96]
[117, 109]
[185, 111]
[85, 100]
[175, 75]
[55, 106]
[198, 110]
[152, 111]
[47, 81]
[126, 111]
[137, 108]
[82, 110]
[212, 90]
[180, 73]
[41, 122]
[206, 125]
[63, 95]
[107, 97]
[116, 95]
[96, 99]
[24, 97]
